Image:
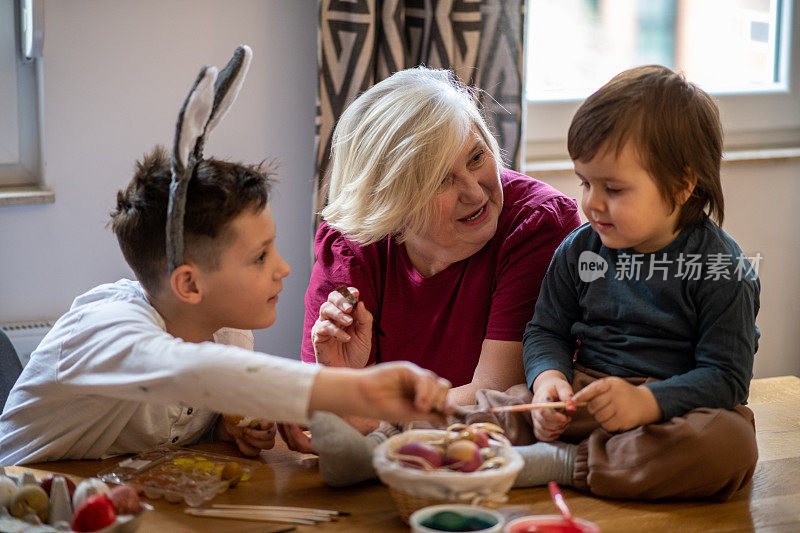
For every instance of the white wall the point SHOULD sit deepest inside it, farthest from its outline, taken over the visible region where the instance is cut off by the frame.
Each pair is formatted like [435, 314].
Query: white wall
[761, 213]
[115, 75]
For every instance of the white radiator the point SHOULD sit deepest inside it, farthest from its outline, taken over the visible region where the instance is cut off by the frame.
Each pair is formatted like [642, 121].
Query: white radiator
[26, 336]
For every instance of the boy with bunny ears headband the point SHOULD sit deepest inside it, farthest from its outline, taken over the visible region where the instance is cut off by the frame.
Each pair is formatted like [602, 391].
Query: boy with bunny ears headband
[137, 364]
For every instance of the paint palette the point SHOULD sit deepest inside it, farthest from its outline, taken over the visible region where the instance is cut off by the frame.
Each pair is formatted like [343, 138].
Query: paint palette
[179, 475]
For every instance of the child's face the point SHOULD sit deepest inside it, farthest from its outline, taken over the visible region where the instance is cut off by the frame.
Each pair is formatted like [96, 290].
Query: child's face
[243, 292]
[623, 204]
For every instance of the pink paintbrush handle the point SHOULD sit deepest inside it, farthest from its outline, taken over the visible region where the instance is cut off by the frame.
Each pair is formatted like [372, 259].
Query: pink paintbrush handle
[558, 499]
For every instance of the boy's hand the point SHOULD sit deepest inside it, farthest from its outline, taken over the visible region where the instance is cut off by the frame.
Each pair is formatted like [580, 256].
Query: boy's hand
[395, 392]
[342, 335]
[550, 386]
[404, 392]
[618, 405]
[251, 441]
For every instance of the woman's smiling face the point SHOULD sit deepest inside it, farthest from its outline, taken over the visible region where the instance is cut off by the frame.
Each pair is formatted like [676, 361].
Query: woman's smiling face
[465, 211]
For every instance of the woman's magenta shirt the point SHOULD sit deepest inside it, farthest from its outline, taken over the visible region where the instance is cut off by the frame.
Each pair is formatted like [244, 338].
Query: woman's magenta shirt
[440, 322]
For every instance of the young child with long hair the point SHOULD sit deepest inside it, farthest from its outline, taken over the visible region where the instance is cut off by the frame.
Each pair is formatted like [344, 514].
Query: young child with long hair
[663, 342]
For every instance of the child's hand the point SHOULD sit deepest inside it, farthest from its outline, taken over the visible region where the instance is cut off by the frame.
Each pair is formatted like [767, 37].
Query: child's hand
[397, 391]
[404, 392]
[295, 438]
[342, 335]
[550, 386]
[249, 440]
[618, 405]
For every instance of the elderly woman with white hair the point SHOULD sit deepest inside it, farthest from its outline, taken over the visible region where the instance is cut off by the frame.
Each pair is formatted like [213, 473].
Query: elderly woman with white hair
[443, 247]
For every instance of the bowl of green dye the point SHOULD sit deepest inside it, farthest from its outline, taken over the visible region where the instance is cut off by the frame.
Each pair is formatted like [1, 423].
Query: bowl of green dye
[456, 517]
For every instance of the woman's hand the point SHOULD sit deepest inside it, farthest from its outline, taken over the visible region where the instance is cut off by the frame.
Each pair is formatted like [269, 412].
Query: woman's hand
[550, 386]
[619, 406]
[296, 438]
[342, 335]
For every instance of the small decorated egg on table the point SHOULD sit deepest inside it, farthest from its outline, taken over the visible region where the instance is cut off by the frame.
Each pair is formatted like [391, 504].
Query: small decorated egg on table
[8, 488]
[87, 488]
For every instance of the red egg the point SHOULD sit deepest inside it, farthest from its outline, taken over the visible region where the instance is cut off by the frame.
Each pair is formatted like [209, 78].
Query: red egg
[481, 438]
[476, 435]
[463, 455]
[47, 483]
[96, 513]
[425, 451]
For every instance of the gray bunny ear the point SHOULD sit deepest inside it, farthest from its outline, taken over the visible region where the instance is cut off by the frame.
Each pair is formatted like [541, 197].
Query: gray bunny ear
[193, 117]
[186, 153]
[229, 83]
[209, 100]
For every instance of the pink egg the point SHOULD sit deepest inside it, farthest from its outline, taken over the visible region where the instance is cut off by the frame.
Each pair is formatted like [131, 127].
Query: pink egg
[422, 450]
[125, 499]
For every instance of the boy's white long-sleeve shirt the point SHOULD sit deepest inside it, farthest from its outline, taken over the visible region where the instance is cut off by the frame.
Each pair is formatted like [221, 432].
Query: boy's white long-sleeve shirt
[109, 379]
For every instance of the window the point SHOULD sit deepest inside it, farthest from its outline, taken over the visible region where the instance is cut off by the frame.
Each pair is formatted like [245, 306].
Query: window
[20, 97]
[740, 51]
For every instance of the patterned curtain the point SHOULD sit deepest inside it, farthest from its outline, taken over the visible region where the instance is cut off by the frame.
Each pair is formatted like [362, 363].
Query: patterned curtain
[362, 42]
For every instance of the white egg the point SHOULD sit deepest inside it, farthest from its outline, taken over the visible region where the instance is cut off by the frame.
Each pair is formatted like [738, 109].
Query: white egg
[8, 487]
[87, 488]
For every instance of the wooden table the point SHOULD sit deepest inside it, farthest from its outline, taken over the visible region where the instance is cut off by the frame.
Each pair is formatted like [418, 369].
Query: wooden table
[771, 502]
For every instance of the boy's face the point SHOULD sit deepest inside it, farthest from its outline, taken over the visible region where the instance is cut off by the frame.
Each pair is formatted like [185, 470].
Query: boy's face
[243, 292]
[623, 204]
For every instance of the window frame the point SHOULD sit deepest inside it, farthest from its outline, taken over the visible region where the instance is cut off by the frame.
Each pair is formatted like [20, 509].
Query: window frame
[751, 121]
[22, 181]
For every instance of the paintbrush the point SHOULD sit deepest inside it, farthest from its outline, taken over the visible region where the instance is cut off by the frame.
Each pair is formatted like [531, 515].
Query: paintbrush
[569, 406]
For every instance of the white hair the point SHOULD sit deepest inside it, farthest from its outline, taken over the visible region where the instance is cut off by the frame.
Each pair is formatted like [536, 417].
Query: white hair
[393, 147]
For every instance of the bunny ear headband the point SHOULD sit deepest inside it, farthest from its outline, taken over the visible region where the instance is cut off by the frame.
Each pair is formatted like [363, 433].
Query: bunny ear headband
[211, 97]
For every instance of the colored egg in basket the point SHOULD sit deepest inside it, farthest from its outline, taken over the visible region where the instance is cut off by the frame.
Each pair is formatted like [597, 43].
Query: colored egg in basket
[463, 464]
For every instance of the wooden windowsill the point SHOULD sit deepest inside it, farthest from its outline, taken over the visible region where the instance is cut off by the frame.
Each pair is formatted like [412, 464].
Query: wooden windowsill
[26, 195]
[735, 157]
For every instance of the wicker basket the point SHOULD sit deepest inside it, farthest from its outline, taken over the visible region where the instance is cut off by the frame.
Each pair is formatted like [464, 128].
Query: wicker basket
[413, 489]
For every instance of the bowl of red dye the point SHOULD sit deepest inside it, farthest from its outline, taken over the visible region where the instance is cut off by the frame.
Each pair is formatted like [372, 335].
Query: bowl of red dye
[550, 524]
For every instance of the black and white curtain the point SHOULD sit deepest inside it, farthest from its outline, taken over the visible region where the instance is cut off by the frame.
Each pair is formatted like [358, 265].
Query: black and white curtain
[362, 42]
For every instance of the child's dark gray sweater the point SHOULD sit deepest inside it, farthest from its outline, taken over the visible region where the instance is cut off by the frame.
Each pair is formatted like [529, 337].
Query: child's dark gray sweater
[691, 324]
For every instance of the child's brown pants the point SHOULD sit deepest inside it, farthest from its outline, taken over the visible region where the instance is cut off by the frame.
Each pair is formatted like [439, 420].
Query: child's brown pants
[705, 453]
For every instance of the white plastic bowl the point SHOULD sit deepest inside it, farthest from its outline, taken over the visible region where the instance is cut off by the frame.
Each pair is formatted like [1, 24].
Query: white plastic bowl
[526, 523]
[417, 517]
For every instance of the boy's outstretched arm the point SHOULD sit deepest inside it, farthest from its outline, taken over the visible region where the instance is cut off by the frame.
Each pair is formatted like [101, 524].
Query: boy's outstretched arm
[396, 392]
